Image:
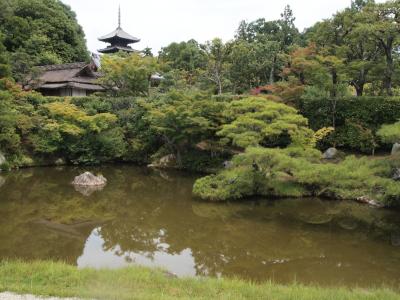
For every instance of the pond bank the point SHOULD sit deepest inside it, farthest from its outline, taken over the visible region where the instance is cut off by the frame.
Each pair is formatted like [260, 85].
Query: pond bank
[61, 280]
[12, 296]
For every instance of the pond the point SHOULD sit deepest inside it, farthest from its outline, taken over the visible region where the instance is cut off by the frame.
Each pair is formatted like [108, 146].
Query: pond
[149, 217]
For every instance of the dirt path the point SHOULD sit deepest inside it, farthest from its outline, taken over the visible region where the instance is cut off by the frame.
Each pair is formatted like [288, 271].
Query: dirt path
[12, 296]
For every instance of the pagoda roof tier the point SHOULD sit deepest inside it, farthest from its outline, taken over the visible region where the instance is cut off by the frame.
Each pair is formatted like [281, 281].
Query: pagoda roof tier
[119, 34]
[115, 48]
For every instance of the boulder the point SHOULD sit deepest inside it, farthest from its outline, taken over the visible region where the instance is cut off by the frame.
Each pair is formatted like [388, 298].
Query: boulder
[60, 162]
[2, 159]
[396, 174]
[396, 149]
[88, 179]
[367, 200]
[168, 161]
[227, 164]
[331, 153]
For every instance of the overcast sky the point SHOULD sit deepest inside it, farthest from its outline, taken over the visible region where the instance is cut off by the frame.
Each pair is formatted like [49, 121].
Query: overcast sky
[159, 22]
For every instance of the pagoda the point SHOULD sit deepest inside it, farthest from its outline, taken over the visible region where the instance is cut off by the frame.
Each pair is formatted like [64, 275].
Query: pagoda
[119, 40]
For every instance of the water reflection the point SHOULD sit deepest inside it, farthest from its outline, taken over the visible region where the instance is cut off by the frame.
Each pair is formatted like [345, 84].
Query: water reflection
[144, 217]
[95, 255]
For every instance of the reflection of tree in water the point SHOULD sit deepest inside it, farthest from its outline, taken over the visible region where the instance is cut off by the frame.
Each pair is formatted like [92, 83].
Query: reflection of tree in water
[234, 239]
[44, 217]
[148, 205]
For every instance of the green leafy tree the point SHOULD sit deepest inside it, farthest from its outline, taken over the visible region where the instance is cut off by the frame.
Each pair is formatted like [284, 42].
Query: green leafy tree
[82, 138]
[185, 56]
[46, 31]
[127, 75]
[258, 121]
[147, 52]
[217, 63]
[251, 63]
[5, 68]
[9, 139]
[281, 34]
[390, 133]
[183, 120]
[380, 23]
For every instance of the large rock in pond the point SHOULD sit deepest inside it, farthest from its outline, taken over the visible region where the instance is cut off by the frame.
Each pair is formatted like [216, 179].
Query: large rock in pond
[331, 153]
[60, 162]
[88, 179]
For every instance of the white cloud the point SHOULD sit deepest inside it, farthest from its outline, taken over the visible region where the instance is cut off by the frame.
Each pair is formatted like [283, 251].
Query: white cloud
[160, 22]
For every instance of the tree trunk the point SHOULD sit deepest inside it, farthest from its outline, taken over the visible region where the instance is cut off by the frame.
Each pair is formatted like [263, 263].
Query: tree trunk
[388, 78]
[387, 83]
[334, 83]
[272, 72]
[178, 157]
[359, 89]
[333, 107]
[219, 86]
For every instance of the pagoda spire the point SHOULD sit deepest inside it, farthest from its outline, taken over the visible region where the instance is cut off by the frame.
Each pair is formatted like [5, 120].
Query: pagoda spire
[119, 16]
[119, 40]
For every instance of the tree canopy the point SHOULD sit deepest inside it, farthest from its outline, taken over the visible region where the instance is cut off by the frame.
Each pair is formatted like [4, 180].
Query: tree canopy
[40, 32]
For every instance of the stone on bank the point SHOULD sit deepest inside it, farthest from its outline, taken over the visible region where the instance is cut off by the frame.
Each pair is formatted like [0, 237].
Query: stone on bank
[331, 153]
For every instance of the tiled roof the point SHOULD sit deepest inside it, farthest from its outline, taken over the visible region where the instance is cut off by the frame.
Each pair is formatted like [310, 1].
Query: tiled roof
[119, 33]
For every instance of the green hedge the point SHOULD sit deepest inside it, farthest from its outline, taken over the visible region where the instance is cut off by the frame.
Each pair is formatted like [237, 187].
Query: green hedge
[357, 119]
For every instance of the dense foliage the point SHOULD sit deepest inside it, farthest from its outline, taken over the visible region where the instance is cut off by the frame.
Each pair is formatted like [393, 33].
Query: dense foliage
[356, 120]
[47, 129]
[127, 75]
[39, 32]
[295, 172]
[333, 85]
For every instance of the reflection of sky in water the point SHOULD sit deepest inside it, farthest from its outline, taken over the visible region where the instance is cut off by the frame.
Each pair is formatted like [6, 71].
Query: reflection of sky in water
[95, 256]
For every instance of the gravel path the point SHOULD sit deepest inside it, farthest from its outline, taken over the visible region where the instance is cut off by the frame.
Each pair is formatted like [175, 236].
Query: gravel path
[11, 296]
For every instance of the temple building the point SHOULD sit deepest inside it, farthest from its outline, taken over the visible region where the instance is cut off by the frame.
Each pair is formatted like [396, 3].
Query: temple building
[81, 78]
[118, 40]
[74, 79]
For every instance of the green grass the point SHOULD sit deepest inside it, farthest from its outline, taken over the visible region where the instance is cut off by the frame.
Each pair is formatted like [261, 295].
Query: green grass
[58, 279]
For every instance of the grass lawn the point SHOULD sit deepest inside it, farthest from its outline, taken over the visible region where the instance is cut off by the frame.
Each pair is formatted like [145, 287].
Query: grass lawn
[58, 279]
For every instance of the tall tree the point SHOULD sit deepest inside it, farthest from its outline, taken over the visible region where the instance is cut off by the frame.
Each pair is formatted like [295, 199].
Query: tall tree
[184, 56]
[5, 69]
[44, 30]
[360, 53]
[127, 75]
[283, 32]
[381, 22]
[217, 53]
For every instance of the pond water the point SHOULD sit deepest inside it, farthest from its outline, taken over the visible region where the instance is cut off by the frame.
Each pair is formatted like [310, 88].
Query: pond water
[149, 217]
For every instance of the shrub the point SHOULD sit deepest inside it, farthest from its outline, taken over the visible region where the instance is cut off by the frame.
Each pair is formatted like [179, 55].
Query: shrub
[356, 119]
[297, 172]
[390, 133]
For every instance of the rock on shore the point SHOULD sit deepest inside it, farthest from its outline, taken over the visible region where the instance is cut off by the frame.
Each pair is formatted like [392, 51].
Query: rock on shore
[331, 153]
[367, 200]
[2, 159]
[396, 149]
